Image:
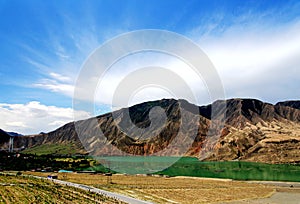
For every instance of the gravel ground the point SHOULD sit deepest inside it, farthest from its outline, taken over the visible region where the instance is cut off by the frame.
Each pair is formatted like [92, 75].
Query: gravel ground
[285, 193]
[276, 198]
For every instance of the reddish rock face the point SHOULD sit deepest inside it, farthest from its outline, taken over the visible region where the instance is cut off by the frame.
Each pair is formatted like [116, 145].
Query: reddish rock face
[253, 130]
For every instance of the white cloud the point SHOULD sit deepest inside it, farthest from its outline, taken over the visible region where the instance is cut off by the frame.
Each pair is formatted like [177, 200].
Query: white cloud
[34, 117]
[247, 59]
[260, 60]
[253, 49]
[124, 70]
[250, 53]
[60, 77]
[16, 124]
[57, 83]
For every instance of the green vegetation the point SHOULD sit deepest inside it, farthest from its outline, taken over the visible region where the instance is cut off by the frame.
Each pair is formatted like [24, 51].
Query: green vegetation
[23, 162]
[19, 189]
[56, 149]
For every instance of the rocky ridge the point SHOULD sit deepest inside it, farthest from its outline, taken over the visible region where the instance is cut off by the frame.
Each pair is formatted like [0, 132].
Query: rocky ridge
[251, 130]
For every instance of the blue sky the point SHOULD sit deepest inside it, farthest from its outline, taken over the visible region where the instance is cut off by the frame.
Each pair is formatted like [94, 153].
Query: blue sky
[253, 44]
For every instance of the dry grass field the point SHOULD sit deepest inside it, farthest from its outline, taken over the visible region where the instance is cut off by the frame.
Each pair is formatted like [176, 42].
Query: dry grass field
[23, 190]
[171, 190]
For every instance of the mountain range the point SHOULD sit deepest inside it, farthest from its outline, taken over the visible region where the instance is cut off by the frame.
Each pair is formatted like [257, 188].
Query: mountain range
[234, 129]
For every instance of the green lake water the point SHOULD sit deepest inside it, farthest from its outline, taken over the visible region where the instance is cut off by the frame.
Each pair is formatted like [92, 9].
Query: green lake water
[188, 166]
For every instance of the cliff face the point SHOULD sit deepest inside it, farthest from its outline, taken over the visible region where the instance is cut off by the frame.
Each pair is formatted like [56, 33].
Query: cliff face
[253, 130]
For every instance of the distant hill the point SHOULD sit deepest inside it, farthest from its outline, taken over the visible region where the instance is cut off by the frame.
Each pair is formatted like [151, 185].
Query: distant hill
[253, 131]
[14, 134]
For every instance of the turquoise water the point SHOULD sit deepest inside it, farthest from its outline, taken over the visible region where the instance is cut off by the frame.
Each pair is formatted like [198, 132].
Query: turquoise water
[137, 164]
[235, 170]
[188, 166]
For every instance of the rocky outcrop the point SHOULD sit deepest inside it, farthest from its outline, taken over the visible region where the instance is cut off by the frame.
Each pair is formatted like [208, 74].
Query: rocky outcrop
[241, 111]
[257, 131]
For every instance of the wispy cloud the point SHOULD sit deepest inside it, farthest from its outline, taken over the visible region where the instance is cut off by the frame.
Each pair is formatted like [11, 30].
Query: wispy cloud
[256, 56]
[63, 55]
[60, 77]
[248, 49]
[246, 58]
[55, 86]
[126, 70]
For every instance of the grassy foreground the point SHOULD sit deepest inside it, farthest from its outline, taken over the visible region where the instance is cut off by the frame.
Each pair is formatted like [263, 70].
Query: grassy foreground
[19, 189]
[170, 190]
